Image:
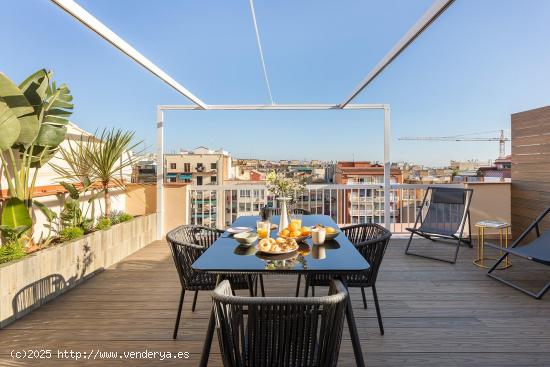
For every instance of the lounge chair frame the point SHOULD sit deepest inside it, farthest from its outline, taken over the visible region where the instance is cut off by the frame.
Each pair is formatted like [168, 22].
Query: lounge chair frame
[509, 251]
[430, 235]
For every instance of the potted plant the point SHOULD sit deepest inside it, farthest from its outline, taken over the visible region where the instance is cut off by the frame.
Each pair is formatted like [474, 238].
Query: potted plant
[33, 119]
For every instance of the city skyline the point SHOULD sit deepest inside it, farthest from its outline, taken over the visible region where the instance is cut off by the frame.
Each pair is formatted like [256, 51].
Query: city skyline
[453, 80]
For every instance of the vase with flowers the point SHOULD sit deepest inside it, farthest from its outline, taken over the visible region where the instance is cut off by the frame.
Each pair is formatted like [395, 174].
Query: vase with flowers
[286, 190]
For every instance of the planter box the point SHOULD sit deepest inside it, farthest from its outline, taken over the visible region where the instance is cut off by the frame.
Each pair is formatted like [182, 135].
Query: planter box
[39, 277]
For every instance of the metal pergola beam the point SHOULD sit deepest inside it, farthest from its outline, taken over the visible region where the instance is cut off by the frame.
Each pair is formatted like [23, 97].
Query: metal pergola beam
[437, 8]
[279, 107]
[80, 14]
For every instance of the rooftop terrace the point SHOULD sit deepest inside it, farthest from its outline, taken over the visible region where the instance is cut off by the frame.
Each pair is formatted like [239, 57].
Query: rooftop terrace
[434, 315]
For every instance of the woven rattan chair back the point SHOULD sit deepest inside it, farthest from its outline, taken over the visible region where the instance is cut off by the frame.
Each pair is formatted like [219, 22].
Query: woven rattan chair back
[371, 240]
[276, 331]
[277, 211]
[187, 243]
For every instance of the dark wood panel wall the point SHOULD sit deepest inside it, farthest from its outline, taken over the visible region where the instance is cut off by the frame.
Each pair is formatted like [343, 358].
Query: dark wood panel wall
[530, 167]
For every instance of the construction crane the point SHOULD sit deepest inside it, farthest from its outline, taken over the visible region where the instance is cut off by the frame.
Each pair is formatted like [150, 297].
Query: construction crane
[467, 137]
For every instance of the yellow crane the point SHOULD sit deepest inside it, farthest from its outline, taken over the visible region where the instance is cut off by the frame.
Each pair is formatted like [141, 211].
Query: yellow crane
[467, 137]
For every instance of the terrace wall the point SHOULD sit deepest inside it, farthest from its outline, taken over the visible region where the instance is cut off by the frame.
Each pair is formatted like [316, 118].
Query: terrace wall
[41, 276]
[142, 199]
[530, 167]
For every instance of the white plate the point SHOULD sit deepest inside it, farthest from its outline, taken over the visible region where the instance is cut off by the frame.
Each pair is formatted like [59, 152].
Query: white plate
[276, 253]
[234, 230]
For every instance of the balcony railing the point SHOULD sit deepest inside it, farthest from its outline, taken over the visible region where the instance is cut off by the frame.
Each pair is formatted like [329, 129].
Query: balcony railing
[347, 204]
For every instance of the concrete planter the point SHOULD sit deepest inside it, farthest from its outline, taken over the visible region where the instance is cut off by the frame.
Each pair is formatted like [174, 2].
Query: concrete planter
[39, 277]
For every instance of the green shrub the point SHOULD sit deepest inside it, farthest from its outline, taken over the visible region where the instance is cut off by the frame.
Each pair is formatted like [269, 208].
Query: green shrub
[114, 217]
[118, 216]
[11, 251]
[125, 217]
[70, 233]
[103, 224]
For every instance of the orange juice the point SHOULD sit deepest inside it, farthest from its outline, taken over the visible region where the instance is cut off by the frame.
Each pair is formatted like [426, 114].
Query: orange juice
[262, 228]
[295, 224]
[262, 232]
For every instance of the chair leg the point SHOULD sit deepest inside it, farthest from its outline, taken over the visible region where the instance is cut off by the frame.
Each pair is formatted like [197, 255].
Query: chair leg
[306, 290]
[194, 301]
[470, 232]
[453, 261]
[179, 314]
[409, 243]
[380, 324]
[262, 285]
[298, 285]
[456, 251]
[312, 291]
[537, 295]
[364, 298]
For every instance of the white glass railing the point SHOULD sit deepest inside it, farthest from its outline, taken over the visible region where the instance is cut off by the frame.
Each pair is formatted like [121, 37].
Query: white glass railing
[220, 205]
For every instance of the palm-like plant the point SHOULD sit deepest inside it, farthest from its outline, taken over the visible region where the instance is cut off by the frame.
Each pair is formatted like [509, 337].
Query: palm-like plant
[100, 160]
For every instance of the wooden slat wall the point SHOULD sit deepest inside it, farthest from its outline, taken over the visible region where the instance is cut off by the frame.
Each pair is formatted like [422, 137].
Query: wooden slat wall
[530, 167]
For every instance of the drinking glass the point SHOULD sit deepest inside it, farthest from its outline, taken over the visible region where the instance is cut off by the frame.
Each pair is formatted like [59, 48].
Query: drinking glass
[296, 221]
[318, 235]
[263, 228]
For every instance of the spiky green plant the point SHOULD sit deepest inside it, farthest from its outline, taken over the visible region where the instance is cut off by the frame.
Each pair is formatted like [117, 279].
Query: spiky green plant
[109, 156]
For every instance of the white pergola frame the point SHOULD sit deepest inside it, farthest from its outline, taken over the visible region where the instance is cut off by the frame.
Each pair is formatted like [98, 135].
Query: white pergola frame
[278, 107]
[88, 20]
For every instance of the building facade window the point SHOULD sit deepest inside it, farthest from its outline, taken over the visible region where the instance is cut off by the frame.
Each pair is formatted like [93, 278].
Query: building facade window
[187, 167]
[213, 165]
[213, 179]
[172, 166]
[199, 180]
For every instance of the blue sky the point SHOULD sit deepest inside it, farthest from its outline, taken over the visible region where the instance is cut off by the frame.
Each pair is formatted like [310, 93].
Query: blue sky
[477, 64]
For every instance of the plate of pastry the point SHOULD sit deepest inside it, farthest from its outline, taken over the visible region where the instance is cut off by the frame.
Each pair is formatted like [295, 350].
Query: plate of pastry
[272, 246]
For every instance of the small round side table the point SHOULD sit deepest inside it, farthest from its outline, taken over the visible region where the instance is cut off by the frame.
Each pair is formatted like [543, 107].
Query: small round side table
[504, 232]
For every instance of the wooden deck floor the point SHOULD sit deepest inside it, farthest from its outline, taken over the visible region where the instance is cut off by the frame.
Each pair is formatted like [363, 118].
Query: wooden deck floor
[435, 314]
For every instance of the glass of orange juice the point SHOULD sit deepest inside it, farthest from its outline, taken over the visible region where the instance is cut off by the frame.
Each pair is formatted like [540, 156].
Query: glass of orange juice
[296, 221]
[263, 228]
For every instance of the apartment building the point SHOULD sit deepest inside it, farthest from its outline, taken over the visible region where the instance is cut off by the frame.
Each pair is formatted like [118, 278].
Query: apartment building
[364, 205]
[200, 166]
[145, 169]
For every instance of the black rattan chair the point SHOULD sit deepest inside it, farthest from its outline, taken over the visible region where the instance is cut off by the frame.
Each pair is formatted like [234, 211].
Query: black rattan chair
[371, 240]
[443, 214]
[280, 331]
[277, 211]
[187, 243]
[537, 250]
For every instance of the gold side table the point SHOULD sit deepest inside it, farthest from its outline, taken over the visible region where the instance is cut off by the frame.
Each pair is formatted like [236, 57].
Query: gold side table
[504, 233]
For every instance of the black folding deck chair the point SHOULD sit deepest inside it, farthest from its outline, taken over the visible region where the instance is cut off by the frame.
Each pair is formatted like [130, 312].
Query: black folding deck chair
[443, 214]
[538, 251]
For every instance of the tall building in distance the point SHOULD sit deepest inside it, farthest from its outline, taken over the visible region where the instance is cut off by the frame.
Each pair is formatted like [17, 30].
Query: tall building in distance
[364, 205]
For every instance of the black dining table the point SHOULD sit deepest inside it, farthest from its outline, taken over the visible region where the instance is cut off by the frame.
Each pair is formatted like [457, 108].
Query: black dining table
[337, 257]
